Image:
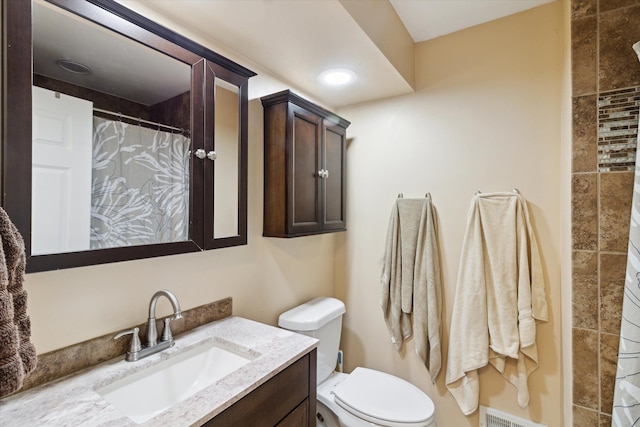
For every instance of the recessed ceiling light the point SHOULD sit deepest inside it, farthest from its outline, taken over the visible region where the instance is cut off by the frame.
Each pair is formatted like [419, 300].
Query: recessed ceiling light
[73, 67]
[337, 76]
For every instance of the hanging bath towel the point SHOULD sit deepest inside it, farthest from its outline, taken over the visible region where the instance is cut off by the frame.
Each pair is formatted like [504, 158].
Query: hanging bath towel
[17, 354]
[626, 395]
[411, 282]
[499, 295]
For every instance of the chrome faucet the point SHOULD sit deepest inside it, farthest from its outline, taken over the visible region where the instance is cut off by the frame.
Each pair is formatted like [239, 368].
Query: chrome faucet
[152, 332]
[137, 351]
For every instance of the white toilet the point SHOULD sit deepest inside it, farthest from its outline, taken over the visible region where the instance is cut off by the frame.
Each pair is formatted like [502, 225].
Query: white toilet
[365, 397]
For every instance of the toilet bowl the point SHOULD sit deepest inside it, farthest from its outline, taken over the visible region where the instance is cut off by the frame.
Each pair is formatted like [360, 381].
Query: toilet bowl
[372, 398]
[365, 397]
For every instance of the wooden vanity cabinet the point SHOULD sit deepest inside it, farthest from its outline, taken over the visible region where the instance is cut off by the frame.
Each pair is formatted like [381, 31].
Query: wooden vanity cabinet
[304, 167]
[286, 400]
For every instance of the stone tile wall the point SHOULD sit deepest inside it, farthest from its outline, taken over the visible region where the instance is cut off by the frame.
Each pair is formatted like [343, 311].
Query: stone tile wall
[605, 80]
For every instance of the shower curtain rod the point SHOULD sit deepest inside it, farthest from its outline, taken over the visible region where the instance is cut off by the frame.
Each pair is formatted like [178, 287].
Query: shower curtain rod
[138, 119]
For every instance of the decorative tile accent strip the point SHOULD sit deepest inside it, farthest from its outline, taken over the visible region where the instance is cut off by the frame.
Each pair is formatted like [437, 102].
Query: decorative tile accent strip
[618, 113]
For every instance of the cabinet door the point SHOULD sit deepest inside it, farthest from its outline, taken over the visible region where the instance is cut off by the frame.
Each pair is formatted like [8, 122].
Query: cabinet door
[304, 213]
[285, 398]
[225, 161]
[333, 183]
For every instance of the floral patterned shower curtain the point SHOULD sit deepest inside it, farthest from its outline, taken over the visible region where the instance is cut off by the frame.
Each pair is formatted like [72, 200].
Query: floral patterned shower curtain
[140, 185]
[626, 396]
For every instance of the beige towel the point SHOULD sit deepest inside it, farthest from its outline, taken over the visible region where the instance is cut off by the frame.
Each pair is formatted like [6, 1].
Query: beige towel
[17, 354]
[499, 295]
[411, 280]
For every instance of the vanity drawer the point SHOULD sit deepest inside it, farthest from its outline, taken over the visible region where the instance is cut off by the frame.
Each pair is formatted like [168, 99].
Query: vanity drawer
[297, 417]
[288, 399]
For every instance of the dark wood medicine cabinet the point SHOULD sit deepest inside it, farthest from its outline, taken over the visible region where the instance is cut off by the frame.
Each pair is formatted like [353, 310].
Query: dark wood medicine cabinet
[209, 76]
[304, 167]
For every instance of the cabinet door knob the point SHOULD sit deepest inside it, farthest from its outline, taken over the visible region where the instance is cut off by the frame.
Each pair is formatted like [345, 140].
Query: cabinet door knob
[326, 174]
[201, 154]
[323, 173]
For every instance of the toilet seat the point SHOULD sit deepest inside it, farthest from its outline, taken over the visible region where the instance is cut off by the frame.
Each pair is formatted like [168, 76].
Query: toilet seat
[384, 399]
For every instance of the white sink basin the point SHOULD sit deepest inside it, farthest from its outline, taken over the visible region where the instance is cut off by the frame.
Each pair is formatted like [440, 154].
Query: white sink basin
[144, 394]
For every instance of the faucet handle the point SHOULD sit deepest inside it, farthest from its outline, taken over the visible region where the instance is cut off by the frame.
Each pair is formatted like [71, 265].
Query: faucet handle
[166, 331]
[135, 339]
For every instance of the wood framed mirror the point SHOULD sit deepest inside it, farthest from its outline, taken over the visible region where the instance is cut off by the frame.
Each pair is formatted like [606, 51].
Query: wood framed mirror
[158, 121]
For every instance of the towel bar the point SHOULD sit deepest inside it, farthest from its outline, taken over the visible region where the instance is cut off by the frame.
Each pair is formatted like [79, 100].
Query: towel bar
[427, 195]
[515, 190]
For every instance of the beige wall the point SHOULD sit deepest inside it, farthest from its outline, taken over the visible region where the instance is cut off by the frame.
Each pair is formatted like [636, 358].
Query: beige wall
[486, 116]
[264, 278]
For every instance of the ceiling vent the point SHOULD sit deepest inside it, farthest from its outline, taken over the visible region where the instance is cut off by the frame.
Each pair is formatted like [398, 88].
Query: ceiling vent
[73, 67]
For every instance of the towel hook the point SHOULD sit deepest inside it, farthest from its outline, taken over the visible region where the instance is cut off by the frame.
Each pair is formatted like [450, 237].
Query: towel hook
[515, 190]
[400, 195]
[477, 192]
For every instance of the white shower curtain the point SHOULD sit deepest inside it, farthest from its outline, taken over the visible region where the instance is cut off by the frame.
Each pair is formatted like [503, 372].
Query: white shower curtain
[626, 398]
[140, 185]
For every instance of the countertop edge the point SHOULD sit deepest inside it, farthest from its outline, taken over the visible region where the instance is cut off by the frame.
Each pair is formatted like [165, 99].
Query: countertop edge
[73, 400]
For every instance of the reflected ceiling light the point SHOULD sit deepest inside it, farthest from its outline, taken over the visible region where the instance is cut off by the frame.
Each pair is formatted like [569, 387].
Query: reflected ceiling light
[73, 67]
[337, 76]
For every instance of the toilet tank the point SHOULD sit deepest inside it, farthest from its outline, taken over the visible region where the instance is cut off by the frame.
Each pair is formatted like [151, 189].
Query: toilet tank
[320, 318]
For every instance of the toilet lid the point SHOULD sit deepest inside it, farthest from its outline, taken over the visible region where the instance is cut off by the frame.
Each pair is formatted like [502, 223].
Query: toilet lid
[383, 399]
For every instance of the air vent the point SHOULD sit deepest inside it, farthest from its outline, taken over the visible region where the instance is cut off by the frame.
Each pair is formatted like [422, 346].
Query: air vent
[490, 417]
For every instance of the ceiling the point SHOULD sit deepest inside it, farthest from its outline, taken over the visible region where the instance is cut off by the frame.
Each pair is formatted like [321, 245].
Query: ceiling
[118, 66]
[428, 19]
[295, 40]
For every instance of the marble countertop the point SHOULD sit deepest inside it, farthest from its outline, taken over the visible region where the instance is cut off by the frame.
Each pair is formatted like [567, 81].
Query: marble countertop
[72, 401]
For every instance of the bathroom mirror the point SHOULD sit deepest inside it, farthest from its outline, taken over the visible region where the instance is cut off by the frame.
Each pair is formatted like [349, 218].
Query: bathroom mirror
[226, 180]
[131, 185]
[135, 140]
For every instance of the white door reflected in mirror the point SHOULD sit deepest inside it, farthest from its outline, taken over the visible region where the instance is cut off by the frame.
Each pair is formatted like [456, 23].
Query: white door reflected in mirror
[61, 177]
